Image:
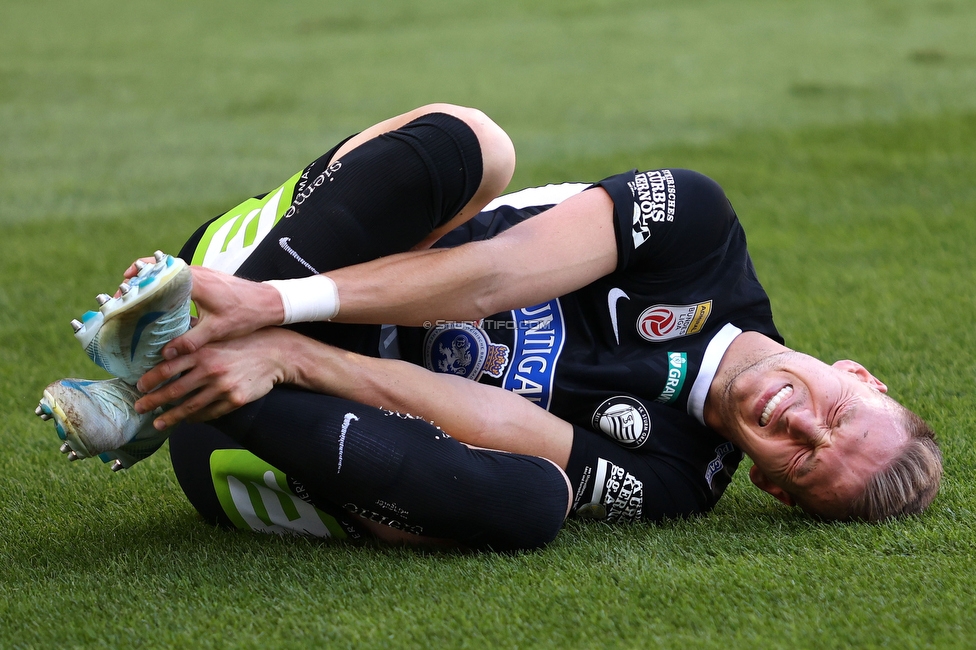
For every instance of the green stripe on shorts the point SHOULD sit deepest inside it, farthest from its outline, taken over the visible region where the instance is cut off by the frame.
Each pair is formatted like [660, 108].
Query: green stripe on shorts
[255, 496]
[224, 245]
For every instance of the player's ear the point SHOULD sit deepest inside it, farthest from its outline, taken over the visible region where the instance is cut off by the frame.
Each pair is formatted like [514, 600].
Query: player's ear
[861, 373]
[763, 483]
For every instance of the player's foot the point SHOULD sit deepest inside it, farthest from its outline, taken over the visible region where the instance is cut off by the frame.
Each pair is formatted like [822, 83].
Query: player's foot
[126, 335]
[97, 418]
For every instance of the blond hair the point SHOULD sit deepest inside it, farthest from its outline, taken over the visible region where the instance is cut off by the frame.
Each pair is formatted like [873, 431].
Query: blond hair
[908, 485]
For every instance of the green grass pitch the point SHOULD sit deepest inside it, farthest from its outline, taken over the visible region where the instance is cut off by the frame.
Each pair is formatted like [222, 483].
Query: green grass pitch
[844, 131]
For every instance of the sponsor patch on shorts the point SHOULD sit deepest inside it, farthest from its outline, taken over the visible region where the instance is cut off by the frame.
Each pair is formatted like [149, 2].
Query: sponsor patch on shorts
[654, 201]
[718, 463]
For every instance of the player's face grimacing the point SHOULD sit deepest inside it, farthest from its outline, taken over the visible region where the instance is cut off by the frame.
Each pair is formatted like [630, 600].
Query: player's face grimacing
[816, 432]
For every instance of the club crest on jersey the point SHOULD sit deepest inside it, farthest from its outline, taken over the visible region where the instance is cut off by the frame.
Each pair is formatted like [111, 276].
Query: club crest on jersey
[624, 419]
[665, 322]
[654, 201]
[464, 349]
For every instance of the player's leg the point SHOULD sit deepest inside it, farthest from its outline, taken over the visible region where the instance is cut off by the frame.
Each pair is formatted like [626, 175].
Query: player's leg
[230, 486]
[401, 471]
[395, 186]
[383, 191]
[389, 191]
[497, 156]
[384, 196]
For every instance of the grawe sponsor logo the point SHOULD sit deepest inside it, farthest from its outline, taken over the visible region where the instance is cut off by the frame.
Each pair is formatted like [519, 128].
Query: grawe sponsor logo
[665, 322]
[677, 369]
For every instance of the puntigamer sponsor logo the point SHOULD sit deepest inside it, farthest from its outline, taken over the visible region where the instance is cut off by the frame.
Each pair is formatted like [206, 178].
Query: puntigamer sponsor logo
[535, 352]
[665, 322]
[677, 369]
[654, 200]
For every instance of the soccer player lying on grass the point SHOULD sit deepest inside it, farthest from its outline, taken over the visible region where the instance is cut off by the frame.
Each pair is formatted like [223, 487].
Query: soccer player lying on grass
[646, 324]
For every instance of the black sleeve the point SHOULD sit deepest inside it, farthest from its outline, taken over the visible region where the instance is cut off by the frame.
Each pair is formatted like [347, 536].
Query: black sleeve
[679, 472]
[667, 218]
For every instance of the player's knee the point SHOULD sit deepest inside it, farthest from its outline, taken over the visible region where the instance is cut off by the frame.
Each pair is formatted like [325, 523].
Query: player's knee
[498, 161]
[497, 150]
[521, 502]
[538, 535]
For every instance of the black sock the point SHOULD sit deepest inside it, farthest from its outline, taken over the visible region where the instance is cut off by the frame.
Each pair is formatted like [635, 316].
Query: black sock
[402, 471]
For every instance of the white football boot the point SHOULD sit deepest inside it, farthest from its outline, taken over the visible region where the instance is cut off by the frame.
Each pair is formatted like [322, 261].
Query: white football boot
[97, 418]
[126, 335]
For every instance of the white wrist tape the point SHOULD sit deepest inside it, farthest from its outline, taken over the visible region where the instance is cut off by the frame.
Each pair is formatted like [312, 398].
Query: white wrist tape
[315, 298]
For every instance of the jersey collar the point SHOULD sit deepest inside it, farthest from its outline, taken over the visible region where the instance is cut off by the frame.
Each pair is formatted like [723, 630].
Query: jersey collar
[709, 366]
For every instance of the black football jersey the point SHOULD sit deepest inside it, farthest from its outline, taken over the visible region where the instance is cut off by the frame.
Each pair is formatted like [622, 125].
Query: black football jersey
[630, 356]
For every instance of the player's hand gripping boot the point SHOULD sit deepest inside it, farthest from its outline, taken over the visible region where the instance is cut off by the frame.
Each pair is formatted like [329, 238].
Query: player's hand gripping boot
[97, 418]
[126, 335]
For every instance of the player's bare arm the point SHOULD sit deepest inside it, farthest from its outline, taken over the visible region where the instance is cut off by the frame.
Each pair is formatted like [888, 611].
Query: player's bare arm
[226, 375]
[552, 254]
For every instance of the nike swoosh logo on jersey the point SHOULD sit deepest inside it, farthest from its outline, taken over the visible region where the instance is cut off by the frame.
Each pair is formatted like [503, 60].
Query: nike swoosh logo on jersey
[612, 298]
[283, 242]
